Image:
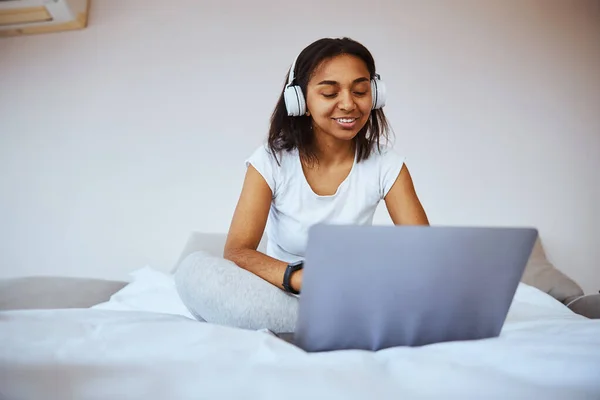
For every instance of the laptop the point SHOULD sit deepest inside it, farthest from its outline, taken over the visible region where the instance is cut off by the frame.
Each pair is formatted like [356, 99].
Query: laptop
[375, 287]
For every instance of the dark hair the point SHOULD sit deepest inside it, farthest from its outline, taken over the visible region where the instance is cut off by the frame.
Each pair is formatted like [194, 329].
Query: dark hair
[288, 133]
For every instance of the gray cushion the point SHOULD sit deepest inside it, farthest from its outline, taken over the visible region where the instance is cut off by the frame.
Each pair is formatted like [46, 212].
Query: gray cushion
[540, 273]
[588, 306]
[212, 243]
[48, 292]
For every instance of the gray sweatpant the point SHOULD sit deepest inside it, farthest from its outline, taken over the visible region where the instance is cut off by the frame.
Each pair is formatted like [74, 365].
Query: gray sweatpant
[216, 290]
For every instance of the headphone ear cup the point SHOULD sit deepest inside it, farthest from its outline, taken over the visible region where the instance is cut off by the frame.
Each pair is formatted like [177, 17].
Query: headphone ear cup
[294, 101]
[378, 91]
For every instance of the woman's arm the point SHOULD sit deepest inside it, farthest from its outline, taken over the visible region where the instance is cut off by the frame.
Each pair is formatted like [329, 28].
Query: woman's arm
[402, 202]
[247, 228]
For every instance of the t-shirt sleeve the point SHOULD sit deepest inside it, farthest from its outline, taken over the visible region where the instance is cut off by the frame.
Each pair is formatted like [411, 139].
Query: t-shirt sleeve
[266, 165]
[390, 165]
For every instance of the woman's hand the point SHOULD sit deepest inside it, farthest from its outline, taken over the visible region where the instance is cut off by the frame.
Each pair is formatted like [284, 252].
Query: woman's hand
[296, 280]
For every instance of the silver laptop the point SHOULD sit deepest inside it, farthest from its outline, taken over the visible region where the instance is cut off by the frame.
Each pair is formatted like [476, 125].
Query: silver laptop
[374, 287]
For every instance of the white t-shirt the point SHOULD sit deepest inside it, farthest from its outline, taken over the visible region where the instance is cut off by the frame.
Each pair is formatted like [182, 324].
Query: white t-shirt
[295, 207]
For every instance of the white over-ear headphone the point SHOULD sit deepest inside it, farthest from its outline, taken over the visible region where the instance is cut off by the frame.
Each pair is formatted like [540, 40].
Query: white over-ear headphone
[295, 103]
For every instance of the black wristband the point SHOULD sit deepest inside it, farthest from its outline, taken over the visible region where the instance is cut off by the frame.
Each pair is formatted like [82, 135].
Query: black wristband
[291, 268]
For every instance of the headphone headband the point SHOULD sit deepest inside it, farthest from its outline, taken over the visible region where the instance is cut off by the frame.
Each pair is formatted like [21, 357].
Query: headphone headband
[292, 69]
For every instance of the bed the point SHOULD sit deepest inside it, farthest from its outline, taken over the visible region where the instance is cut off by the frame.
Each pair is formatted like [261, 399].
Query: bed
[74, 338]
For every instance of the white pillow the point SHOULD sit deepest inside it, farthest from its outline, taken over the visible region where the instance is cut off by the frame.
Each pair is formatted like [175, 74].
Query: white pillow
[150, 290]
[531, 304]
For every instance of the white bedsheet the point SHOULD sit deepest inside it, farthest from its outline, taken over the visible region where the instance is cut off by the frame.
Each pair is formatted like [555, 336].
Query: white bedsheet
[544, 351]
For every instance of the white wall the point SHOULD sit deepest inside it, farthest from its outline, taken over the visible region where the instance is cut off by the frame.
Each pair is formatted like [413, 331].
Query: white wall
[117, 141]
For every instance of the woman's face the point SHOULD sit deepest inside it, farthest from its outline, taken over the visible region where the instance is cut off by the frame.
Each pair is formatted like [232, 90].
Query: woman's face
[339, 98]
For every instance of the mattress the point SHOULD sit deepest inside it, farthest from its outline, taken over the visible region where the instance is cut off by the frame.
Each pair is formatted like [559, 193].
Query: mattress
[544, 351]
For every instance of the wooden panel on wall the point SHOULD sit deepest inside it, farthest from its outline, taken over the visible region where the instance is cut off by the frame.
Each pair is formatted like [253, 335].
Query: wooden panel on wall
[24, 15]
[45, 22]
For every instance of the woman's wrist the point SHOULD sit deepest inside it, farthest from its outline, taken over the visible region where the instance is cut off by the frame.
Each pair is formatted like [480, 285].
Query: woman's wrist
[296, 280]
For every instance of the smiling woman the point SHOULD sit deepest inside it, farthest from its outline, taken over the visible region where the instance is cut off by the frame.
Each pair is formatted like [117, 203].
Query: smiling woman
[340, 82]
[324, 163]
[339, 108]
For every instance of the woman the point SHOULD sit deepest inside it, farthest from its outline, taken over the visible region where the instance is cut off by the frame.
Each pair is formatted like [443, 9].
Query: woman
[324, 163]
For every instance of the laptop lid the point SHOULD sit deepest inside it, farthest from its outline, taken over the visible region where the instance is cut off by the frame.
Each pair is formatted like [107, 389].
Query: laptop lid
[373, 287]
